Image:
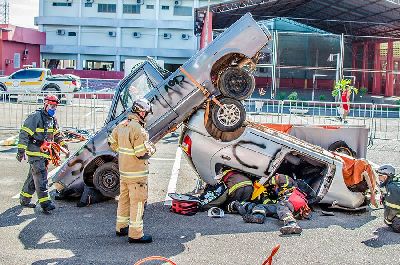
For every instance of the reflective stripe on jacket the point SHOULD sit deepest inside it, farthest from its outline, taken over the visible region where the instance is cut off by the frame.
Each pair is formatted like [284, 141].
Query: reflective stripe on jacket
[39, 126]
[128, 139]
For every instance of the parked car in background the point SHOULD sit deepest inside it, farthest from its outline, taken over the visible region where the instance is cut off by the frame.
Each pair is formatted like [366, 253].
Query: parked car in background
[39, 80]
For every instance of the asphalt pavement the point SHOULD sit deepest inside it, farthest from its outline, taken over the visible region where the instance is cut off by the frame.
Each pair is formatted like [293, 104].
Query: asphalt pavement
[72, 235]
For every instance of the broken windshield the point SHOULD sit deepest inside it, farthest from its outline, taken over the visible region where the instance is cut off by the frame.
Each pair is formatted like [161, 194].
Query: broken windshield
[138, 87]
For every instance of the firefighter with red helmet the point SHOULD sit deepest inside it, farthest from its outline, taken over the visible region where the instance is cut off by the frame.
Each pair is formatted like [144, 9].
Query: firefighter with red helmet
[131, 141]
[40, 127]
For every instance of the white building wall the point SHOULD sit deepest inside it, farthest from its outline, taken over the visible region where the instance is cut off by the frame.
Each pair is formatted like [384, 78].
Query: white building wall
[98, 36]
[67, 11]
[52, 38]
[146, 39]
[92, 29]
[176, 41]
[93, 10]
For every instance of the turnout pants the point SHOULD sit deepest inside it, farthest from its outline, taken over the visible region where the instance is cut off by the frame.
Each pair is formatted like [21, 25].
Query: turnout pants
[285, 209]
[132, 198]
[36, 181]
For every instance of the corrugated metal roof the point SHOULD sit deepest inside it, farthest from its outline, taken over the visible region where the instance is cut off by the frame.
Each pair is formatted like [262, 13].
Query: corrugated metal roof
[351, 17]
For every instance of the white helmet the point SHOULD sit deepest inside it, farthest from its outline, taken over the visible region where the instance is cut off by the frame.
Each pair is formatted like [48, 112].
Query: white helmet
[141, 104]
[387, 170]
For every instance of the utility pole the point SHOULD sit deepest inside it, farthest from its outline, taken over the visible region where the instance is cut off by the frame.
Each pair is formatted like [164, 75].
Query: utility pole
[4, 12]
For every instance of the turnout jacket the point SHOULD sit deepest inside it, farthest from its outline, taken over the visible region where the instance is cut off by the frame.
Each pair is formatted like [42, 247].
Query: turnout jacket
[392, 196]
[37, 128]
[131, 141]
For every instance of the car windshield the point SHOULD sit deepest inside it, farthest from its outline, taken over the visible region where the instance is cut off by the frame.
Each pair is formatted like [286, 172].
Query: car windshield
[138, 87]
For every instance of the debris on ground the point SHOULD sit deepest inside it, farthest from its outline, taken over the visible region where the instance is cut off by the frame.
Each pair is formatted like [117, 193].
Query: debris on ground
[11, 141]
[75, 135]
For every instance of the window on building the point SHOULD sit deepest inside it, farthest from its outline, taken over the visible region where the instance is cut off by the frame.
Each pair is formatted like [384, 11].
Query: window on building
[88, 4]
[182, 11]
[106, 8]
[131, 9]
[17, 60]
[61, 4]
[165, 7]
[150, 6]
[71, 33]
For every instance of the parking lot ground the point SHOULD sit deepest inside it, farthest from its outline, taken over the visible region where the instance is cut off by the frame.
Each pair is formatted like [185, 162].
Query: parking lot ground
[72, 235]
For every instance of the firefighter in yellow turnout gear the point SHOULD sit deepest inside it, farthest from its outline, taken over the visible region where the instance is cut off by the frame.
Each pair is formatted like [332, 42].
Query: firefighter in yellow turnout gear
[131, 141]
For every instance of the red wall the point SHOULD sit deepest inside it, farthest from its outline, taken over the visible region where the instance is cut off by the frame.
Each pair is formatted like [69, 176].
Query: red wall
[16, 40]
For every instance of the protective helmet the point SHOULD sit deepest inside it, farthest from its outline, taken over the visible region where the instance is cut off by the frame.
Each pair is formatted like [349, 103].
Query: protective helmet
[141, 104]
[51, 100]
[387, 170]
[185, 207]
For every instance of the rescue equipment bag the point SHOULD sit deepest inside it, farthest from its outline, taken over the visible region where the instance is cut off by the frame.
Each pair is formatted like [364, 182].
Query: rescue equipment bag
[184, 204]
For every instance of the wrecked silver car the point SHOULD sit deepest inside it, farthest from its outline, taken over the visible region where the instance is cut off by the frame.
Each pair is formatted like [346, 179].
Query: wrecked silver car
[220, 74]
[259, 151]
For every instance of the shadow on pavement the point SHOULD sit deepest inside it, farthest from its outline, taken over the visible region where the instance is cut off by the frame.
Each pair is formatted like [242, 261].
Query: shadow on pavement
[89, 232]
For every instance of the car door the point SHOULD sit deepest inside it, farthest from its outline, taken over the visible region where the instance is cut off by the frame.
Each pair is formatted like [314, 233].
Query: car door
[16, 80]
[33, 80]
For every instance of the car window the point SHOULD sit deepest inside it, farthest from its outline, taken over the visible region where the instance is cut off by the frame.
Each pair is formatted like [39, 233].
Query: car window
[136, 89]
[19, 75]
[33, 73]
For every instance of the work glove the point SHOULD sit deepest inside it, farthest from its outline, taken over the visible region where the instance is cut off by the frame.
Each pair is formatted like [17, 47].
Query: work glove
[151, 148]
[21, 154]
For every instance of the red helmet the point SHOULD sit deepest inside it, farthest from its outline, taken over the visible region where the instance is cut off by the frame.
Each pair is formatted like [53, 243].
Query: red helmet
[185, 207]
[51, 100]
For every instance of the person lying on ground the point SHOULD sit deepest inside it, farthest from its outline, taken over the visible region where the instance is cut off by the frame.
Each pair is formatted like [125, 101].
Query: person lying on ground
[282, 200]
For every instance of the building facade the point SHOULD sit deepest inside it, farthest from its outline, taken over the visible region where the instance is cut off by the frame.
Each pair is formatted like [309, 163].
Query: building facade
[19, 47]
[102, 34]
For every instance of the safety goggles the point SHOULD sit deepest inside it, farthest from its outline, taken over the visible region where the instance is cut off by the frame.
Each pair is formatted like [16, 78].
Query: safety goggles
[52, 106]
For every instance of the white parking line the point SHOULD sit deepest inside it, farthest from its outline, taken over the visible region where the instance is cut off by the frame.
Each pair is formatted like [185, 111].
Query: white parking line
[174, 176]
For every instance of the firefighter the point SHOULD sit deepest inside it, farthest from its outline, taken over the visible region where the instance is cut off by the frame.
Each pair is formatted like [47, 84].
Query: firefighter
[40, 127]
[391, 199]
[131, 141]
[282, 200]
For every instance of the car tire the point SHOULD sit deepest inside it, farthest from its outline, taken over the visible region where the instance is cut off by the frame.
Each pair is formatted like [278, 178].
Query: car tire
[342, 147]
[52, 89]
[230, 116]
[106, 179]
[3, 89]
[237, 83]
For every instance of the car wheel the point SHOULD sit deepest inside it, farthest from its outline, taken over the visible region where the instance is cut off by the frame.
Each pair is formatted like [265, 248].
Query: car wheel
[52, 89]
[3, 91]
[236, 83]
[342, 147]
[106, 179]
[230, 116]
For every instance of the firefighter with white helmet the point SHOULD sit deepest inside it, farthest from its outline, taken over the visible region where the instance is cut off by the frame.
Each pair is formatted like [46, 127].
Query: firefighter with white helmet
[131, 141]
[391, 199]
[40, 127]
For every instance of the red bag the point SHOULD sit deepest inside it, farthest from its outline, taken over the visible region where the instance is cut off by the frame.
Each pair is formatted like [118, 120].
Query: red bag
[297, 199]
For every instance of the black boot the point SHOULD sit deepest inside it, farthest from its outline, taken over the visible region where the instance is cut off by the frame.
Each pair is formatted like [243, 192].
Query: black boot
[144, 239]
[291, 228]
[256, 218]
[122, 232]
[27, 204]
[48, 206]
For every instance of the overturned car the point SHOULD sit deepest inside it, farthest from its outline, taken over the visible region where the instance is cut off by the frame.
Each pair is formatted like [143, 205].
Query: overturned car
[205, 94]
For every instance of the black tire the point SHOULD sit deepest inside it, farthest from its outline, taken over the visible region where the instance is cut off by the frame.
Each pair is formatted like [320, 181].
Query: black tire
[106, 179]
[342, 147]
[52, 89]
[236, 83]
[3, 89]
[230, 117]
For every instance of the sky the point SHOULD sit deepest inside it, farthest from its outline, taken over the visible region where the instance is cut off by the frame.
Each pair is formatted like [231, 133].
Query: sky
[22, 12]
